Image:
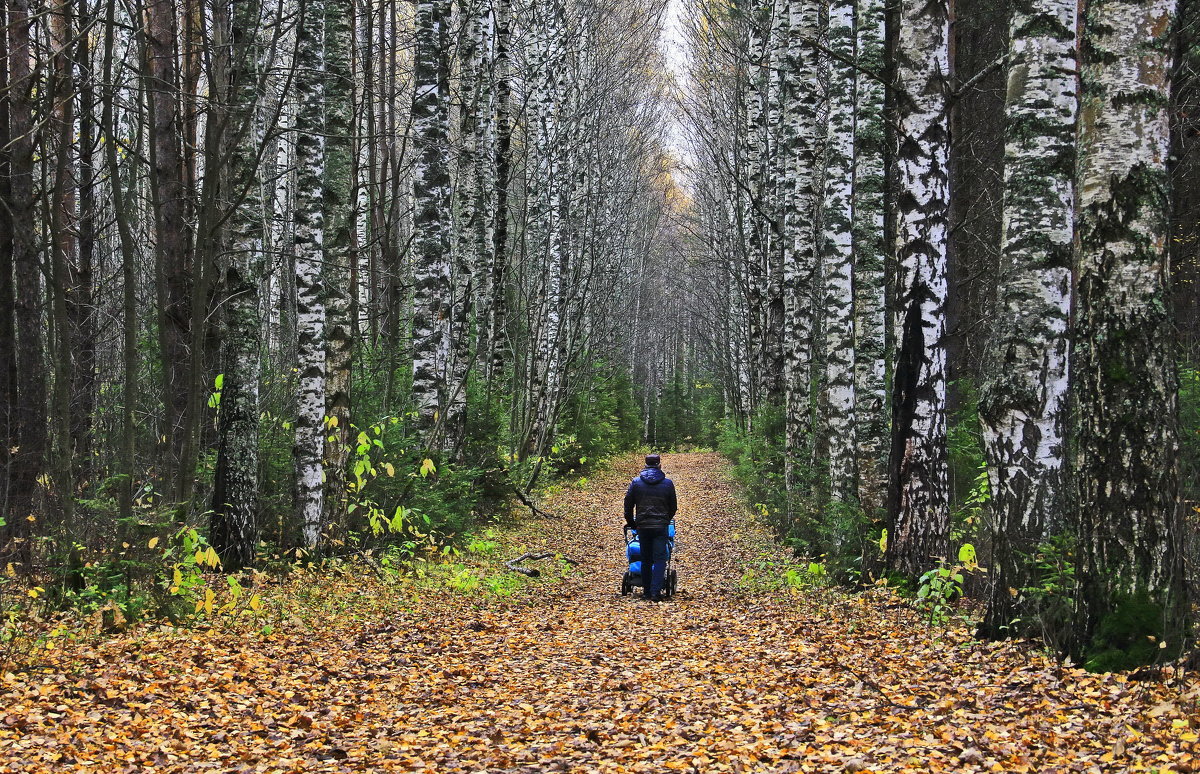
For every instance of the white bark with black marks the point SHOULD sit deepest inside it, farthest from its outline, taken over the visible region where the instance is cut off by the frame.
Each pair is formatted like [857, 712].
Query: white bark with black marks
[1123, 367]
[919, 500]
[1023, 403]
[308, 244]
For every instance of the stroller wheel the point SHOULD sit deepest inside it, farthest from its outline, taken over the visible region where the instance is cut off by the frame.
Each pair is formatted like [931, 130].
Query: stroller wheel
[672, 579]
[626, 586]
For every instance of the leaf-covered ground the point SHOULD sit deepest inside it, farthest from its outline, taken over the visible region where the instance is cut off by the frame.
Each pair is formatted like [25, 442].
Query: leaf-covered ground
[737, 674]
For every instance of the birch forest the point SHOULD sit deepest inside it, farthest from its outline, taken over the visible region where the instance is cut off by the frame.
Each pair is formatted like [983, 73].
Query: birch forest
[321, 281]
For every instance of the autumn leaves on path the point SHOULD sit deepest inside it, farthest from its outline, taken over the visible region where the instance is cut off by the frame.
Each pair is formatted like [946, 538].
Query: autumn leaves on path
[741, 672]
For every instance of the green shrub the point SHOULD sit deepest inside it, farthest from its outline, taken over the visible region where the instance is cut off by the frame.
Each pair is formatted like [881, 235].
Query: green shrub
[1129, 636]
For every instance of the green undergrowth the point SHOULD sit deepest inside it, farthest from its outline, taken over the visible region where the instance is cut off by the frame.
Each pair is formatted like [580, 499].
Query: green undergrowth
[298, 596]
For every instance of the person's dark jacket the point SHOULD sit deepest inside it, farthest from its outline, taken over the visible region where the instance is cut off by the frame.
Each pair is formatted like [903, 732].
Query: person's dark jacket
[653, 496]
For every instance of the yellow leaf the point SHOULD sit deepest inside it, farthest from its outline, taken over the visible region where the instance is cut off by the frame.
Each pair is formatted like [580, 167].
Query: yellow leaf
[177, 578]
[153, 542]
[255, 604]
[391, 469]
[427, 467]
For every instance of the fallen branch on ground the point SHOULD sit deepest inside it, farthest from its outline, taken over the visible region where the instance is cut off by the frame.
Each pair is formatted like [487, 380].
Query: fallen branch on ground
[532, 572]
[529, 503]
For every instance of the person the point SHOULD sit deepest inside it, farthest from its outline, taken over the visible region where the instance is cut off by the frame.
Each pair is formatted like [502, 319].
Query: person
[650, 506]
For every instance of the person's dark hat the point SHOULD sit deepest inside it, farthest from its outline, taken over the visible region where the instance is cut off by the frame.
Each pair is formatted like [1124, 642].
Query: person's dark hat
[653, 460]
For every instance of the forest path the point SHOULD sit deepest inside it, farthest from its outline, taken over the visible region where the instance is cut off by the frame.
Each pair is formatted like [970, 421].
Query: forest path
[734, 675]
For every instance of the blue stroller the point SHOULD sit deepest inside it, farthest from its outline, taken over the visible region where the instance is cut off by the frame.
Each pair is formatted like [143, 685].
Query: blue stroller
[633, 552]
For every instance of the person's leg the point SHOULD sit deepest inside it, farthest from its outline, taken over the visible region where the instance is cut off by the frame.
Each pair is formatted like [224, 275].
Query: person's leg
[647, 538]
[658, 570]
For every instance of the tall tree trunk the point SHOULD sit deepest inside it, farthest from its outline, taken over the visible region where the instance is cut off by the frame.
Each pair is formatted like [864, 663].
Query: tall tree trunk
[1023, 403]
[8, 333]
[919, 507]
[470, 266]
[84, 388]
[753, 155]
[432, 286]
[801, 148]
[339, 224]
[28, 461]
[498, 301]
[870, 281]
[1185, 181]
[126, 462]
[309, 241]
[64, 297]
[233, 525]
[838, 220]
[782, 188]
[172, 234]
[548, 193]
[1123, 368]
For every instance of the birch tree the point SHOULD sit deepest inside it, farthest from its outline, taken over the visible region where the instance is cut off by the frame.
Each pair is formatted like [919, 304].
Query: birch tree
[309, 240]
[919, 501]
[433, 291]
[869, 248]
[1023, 403]
[1123, 368]
[233, 525]
[837, 253]
[338, 186]
[802, 151]
[496, 301]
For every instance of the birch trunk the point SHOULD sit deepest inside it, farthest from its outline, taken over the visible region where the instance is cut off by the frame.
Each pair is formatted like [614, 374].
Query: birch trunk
[1023, 402]
[233, 526]
[471, 265]
[801, 149]
[497, 301]
[1123, 368]
[547, 179]
[781, 186]
[308, 245]
[339, 255]
[432, 287]
[837, 219]
[919, 507]
[870, 283]
[754, 153]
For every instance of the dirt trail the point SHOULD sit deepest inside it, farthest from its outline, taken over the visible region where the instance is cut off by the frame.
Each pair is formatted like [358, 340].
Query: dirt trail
[578, 678]
[711, 543]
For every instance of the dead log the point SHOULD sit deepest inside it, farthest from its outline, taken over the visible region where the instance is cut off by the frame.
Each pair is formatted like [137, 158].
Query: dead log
[533, 572]
[528, 502]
